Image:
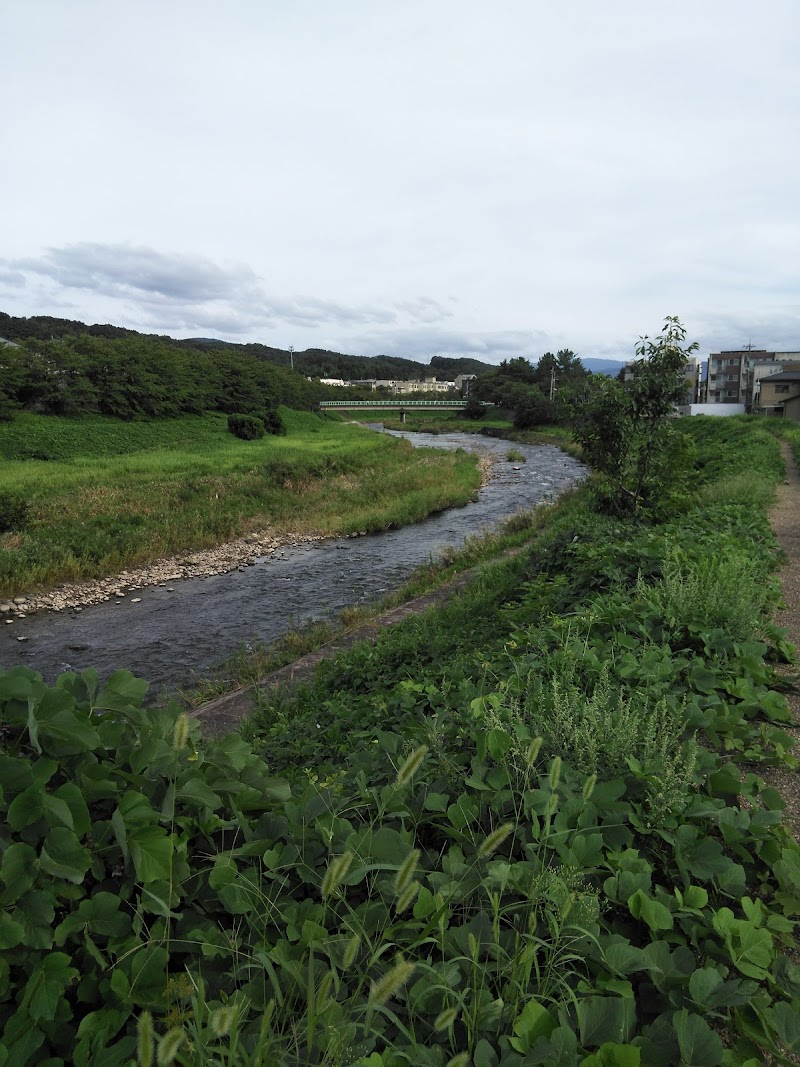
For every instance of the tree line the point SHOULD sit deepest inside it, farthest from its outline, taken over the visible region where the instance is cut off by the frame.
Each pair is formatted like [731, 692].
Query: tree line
[132, 377]
[546, 392]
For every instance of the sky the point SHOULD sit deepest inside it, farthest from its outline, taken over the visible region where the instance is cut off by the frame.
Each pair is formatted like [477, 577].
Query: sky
[431, 177]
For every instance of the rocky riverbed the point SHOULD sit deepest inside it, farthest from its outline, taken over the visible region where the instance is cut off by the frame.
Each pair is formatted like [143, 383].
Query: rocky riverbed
[222, 559]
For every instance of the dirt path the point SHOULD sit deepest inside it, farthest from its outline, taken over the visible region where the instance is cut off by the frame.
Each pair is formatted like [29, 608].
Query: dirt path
[785, 519]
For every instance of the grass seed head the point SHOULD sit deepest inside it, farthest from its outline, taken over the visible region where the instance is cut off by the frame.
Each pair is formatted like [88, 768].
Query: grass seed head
[324, 991]
[406, 871]
[494, 840]
[533, 751]
[350, 953]
[337, 869]
[445, 1019]
[392, 981]
[461, 1059]
[407, 897]
[411, 765]
[144, 1040]
[588, 787]
[222, 1020]
[181, 733]
[555, 773]
[169, 1046]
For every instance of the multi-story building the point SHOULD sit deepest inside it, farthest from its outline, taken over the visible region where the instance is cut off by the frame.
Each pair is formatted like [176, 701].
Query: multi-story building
[733, 375]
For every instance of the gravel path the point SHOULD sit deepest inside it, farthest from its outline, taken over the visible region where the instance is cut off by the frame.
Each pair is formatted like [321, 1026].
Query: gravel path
[784, 519]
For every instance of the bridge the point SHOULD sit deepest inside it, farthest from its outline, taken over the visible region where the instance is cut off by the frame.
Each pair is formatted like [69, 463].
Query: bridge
[403, 406]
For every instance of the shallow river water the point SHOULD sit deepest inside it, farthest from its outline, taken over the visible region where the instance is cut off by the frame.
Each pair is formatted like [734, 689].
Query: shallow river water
[172, 637]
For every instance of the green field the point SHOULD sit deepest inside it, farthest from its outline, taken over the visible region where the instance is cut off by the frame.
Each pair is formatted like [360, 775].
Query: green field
[535, 827]
[86, 497]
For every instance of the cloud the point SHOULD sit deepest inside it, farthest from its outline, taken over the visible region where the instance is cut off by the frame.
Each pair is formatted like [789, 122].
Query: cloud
[420, 343]
[176, 291]
[12, 279]
[776, 331]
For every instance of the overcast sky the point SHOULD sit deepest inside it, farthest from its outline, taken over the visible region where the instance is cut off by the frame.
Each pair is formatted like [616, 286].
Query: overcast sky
[415, 178]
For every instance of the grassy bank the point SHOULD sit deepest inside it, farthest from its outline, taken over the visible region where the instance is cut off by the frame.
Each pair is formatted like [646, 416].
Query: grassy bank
[88, 497]
[496, 424]
[531, 827]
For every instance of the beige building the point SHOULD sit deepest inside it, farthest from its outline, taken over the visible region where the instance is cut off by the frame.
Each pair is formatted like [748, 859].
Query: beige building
[733, 375]
[779, 394]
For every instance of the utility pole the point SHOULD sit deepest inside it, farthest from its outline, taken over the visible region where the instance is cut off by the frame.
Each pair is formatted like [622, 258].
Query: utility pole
[552, 381]
[291, 356]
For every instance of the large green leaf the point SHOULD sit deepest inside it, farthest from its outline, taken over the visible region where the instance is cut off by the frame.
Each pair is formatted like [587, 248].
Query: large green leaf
[27, 808]
[786, 1019]
[151, 850]
[35, 911]
[47, 985]
[194, 791]
[603, 1019]
[74, 799]
[11, 932]
[17, 871]
[656, 915]
[63, 856]
[100, 915]
[533, 1022]
[699, 1045]
[613, 1055]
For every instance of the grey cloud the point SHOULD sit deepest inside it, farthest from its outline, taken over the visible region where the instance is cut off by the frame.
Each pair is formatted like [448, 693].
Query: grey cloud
[123, 270]
[424, 309]
[12, 279]
[775, 331]
[187, 291]
[421, 344]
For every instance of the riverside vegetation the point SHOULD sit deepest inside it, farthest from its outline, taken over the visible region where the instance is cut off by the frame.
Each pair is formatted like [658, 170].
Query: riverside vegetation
[82, 498]
[528, 828]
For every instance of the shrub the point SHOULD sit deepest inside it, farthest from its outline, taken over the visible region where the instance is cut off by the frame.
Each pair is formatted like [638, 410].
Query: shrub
[247, 427]
[273, 423]
[13, 512]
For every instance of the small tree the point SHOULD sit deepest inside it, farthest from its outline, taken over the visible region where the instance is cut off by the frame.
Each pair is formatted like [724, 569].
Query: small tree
[247, 427]
[473, 409]
[624, 427]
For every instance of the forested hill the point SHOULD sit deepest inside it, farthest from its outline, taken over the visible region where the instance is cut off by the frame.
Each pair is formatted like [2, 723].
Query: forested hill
[313, 362]
[66, 367]
[130, 376]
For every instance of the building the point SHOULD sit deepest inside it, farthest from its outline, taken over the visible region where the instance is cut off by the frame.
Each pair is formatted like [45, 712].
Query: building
[779, 394]
[733, 375]
[690, 376]
[401, 388]
[463, 383]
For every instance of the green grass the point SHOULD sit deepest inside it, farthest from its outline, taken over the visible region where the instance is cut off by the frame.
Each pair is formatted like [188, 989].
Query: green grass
[533, 825]
[119, 494]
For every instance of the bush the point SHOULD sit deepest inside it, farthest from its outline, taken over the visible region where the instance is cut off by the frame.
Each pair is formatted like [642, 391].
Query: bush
[273, 423]
[247, 427]
[13, 512]
[474, 409]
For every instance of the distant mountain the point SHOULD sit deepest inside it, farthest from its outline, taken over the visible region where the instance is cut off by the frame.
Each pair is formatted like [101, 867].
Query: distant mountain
[611, 367]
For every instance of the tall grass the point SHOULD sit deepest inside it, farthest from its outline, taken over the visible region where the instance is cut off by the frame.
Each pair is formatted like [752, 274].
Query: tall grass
[188, 484]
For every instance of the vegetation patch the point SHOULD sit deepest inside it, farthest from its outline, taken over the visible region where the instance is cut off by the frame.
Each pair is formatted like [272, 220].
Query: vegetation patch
[114, 494]
[526, 828]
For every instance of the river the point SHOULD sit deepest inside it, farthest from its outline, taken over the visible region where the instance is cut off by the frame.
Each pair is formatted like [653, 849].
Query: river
[171, 638]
